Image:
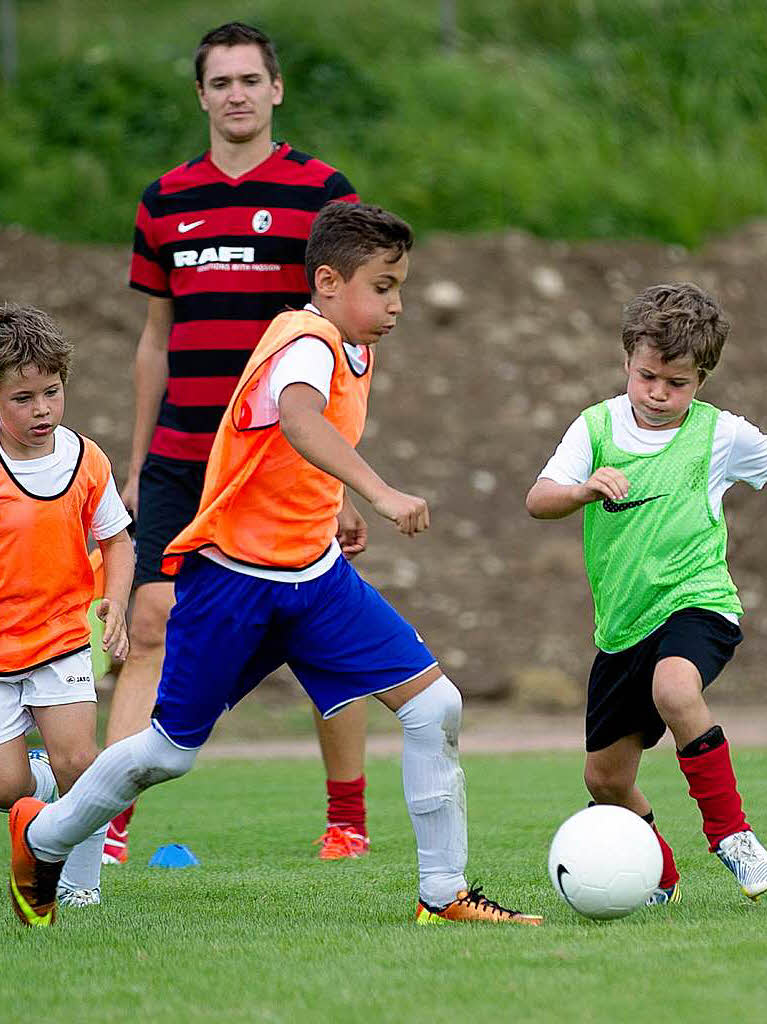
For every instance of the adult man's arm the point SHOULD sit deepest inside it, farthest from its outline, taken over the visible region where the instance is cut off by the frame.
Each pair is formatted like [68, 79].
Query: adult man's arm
[150, 378]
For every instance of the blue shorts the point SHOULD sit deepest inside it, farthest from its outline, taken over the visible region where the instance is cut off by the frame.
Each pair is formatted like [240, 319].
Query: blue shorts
[228, 631]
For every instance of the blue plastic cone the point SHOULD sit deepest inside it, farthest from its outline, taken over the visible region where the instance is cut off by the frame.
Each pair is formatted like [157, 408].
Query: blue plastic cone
[174, 856]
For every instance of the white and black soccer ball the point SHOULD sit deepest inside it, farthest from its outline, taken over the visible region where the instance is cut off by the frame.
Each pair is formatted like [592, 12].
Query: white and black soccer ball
[605, 861]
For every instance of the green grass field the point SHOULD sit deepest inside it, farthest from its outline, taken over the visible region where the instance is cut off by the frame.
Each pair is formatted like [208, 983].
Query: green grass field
[263, 931]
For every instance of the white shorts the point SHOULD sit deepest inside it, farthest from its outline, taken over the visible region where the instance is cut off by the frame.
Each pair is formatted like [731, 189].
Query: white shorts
[67, 680]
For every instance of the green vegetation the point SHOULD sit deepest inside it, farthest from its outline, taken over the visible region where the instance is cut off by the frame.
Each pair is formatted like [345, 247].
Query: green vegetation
[597, 118]
[263, 931]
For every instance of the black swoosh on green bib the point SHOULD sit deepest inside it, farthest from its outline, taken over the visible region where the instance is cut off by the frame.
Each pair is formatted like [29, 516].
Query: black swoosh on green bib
[624, 506]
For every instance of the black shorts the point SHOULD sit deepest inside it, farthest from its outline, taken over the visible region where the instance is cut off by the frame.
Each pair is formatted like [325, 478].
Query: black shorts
[169, 493]
[620, 685]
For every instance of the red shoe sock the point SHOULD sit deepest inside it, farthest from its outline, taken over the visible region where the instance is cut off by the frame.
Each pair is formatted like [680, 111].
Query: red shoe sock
[122, 820]
[669, 875]
[346, 804]
[712, 783]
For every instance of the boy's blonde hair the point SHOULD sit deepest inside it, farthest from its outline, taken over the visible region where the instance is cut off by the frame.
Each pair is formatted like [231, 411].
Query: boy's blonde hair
[679, 320]
[29, 337]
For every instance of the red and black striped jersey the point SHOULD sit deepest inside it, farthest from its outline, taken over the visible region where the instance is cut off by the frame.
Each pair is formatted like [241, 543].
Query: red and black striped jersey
[230, 253]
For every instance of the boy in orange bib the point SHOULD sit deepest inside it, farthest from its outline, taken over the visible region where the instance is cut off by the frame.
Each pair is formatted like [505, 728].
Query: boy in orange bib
[55, 488]
[264, 578]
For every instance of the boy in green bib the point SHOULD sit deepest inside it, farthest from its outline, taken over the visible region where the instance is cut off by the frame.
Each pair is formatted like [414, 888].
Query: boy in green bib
[649, 468]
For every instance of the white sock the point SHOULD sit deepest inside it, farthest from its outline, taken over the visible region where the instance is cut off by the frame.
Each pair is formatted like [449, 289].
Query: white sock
[113, 781]
[82, 869]
[83, 866]
[434, 789]
[45, 780]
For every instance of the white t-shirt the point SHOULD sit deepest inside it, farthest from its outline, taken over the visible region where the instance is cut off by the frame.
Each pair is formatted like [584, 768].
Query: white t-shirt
[739, 450]
[310, 361]
[52, 473]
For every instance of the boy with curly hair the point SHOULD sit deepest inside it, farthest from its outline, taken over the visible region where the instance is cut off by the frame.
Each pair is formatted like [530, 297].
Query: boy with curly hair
[650, 468]
[55, 488]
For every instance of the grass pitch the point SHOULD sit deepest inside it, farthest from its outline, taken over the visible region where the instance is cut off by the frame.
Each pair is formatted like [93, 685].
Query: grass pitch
[264, 931]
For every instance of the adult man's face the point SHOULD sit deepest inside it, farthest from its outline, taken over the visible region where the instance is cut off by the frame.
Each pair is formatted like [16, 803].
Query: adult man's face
[237, 93]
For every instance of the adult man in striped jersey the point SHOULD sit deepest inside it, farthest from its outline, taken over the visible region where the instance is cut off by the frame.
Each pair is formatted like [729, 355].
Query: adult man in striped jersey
[219, 251]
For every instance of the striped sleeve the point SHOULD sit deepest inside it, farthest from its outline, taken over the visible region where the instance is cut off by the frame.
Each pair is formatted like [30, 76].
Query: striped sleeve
[339, 187]
[147, 273]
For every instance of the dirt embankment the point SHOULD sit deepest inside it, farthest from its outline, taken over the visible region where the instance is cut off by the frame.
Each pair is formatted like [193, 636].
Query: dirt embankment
[471, 394]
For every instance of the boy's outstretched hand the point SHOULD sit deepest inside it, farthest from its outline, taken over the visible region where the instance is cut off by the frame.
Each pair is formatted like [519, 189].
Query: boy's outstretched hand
[606, 482]
[547, 499]
[410, 513]
[112, 614]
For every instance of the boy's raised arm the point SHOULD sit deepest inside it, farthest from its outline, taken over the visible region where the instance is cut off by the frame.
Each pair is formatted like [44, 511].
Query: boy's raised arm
[547, 499]
[318, 441]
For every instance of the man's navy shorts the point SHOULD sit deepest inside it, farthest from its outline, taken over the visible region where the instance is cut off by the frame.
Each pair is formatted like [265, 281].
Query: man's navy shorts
[227, 631]
[620, 685]
[169, 494]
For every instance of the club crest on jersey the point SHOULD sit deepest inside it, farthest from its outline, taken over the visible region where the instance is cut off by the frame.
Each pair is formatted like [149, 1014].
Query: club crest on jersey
[262, 221]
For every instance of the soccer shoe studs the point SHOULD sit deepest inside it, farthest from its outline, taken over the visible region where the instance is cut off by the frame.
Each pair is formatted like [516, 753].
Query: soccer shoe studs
[338, 842]
[33, 882]
[78, 897]
[745, 856]
[473, 905]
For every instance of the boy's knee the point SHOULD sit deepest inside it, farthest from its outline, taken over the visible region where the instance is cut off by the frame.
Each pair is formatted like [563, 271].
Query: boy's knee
[606, 785]
[432, 772]
[673, 701]
[677, 688]
[70, 765]
[156, 759]
[11, 790]
[148, 622]
[437, 708]
[449, 704]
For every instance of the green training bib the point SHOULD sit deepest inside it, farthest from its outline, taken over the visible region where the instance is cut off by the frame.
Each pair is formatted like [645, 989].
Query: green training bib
[661, 549]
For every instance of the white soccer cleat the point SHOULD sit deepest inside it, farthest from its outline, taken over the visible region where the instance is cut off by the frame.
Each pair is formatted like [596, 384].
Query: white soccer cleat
[78, 897]
[661, 897]
[745, 856]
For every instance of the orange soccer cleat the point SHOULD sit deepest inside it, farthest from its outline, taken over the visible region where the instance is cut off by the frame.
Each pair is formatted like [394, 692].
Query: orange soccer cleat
[473, 905]
[33, 882]
[341, 841]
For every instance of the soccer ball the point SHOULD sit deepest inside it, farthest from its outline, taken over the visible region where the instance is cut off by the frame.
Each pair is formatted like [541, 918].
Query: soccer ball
[605, 861]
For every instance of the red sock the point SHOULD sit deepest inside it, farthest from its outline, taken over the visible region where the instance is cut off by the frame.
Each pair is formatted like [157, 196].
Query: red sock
[669, 875]
[712, 784]
[346, 804]
[122, 820]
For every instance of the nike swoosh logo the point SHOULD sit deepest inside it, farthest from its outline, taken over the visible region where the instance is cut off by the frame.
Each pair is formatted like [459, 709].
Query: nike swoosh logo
[624, 506]
[183, 228]
[562, 870]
